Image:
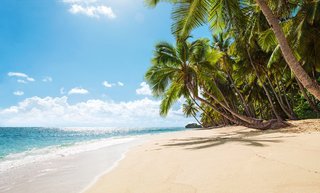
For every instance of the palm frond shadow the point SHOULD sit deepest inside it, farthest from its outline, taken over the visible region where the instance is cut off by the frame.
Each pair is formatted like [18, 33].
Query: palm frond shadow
[245, 138]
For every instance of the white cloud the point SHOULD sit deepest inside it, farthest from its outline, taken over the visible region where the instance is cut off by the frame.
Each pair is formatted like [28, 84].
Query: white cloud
[57, 112]
[107, 84]
[22, 81]
[90, 8]
[18, 93]
[78, 90]
[47, 79]
[93, 11]
[21, 75]
[144, 89]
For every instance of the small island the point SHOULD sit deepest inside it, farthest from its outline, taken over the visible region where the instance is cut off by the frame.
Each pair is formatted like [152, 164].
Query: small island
[193, 126]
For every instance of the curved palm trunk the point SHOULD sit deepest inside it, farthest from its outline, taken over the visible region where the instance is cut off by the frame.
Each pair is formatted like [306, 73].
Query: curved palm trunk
[246, 106]
[311, 85]
[195, 95]
[283, 90]
[199, 106]
[311, 103]
[289, 106]
[278, 97]
[264, 88]
[195, 117]
[271, 124]
[230, 118]
[221, 94]
[242, 117]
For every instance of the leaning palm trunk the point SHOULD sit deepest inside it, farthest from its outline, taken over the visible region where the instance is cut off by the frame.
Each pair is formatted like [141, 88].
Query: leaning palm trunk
[279, 100]
[205, 112]
[225, 115]
[264, 88]
[311, 85]
[249, 120]
[290, 106]
[195, 117]
[230, 118]
[271, 124]
[221, 94]
[245, 104]
[311, 103]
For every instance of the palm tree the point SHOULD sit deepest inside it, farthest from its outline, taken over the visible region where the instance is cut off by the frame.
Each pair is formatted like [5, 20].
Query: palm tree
[228, 14]
[222, 43]
[174, 74]
[186, 70]
[189, 109]
[311, 85]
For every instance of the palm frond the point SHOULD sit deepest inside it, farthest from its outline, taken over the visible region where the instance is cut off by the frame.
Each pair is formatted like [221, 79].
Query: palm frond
[188, 15]
[172, 94]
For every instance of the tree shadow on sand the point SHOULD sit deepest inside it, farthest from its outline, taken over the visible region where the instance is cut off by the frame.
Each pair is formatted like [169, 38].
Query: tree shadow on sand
[241, 137]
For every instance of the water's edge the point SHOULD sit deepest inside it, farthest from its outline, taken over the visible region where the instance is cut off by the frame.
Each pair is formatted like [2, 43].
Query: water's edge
[112, 167]
[65, 167]
[69, 174]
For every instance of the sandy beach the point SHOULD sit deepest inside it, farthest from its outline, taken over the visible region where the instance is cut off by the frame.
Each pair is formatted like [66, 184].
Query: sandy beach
[224, 160]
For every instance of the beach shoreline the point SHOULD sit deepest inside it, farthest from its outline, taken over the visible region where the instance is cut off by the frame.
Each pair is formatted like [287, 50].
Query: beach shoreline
[229, 159]
[66, 173]
[73, 167]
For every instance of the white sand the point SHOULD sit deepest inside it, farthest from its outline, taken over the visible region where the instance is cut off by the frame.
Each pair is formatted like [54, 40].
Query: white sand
[225, 160]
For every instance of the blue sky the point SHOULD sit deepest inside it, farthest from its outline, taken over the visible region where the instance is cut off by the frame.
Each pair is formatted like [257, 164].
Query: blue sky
[60, 55]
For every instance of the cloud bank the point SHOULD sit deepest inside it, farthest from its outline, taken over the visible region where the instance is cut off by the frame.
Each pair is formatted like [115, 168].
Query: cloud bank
[58, 112]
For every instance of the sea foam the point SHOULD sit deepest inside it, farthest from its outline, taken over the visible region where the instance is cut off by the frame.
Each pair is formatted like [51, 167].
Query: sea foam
[36, 155]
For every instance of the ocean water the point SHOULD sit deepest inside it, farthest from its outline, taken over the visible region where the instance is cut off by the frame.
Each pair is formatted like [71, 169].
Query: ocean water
[20, 145]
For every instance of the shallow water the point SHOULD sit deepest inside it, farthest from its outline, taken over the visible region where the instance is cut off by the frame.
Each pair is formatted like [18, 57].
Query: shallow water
[41, 159]
[21, 139]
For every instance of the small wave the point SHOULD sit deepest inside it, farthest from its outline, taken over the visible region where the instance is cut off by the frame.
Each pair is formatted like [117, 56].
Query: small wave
[104, 130]
[35, 155]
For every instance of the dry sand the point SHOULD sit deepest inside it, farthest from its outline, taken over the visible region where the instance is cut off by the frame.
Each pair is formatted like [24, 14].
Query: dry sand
[224, 160]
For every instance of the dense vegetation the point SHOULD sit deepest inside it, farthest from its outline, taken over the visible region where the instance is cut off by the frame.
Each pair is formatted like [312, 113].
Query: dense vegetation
[258, 68]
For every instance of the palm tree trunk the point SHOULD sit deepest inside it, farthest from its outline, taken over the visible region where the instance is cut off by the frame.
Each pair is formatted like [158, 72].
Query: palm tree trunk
[311, 103]
[221, 94]
[264, 87]
[311, 85]
[283, 90]
[256, 124]
[230, 118]
[195, 102]
[289, 106]
[195, 95]
[278, 97]
[195, 117]
[249, 120]
[245, 104]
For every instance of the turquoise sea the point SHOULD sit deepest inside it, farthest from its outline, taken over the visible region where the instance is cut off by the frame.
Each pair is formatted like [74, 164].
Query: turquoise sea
[34, 143]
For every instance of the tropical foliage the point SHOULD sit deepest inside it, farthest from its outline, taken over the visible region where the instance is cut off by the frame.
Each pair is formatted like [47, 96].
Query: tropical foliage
[249, 72]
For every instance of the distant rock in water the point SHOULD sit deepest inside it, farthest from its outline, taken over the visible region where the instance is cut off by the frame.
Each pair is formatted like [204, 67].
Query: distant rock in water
[193, 125]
